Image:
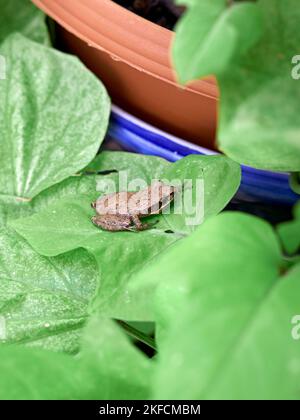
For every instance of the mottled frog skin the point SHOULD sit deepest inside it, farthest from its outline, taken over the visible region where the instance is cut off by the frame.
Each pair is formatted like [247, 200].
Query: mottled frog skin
[122, 211]
[112, 222]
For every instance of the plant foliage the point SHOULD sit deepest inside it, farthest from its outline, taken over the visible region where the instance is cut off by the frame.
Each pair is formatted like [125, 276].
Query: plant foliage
[249, 46]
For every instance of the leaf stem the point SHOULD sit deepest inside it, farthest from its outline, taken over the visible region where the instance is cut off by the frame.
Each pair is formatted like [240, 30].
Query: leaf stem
[138, 335]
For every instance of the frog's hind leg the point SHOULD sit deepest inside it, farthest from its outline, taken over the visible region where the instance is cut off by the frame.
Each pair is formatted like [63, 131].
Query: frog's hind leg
[139, 225]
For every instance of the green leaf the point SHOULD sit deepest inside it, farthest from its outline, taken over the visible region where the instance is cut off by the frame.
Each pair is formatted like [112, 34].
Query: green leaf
[259, 124]
[50, 128]
[289, 232]
[66, 225]
[133, 165]
[221, 179]
[232, 339]
[43, 301]
[14, 252]
[244, 365]
[123, 371]
[109, 367]
[22, 16]
[259, 121]
[12, 208]
[183, 266]
[210, 35]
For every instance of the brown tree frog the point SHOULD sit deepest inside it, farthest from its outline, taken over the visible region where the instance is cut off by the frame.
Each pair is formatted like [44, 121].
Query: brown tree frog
[123, 211]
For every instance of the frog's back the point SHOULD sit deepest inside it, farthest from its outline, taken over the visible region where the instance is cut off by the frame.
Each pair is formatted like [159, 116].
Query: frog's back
[151, 200]
[115, 203]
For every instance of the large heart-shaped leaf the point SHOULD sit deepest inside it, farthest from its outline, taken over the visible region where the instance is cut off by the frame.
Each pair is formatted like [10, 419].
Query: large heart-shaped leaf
[41, 284]
[210, 34]
[66, 225]
[236, 304]
[109, 367]
[22, 16]
[12, 208]
[43, 301]
[50, 128]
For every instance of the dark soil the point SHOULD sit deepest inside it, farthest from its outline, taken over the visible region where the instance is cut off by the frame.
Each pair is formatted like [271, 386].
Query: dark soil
[162, 12]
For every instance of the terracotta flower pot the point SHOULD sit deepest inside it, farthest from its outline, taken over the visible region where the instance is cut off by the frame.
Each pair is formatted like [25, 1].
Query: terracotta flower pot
[132, 57]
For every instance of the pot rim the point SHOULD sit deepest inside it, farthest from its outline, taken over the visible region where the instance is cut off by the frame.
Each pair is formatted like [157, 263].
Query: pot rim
[154, 51]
